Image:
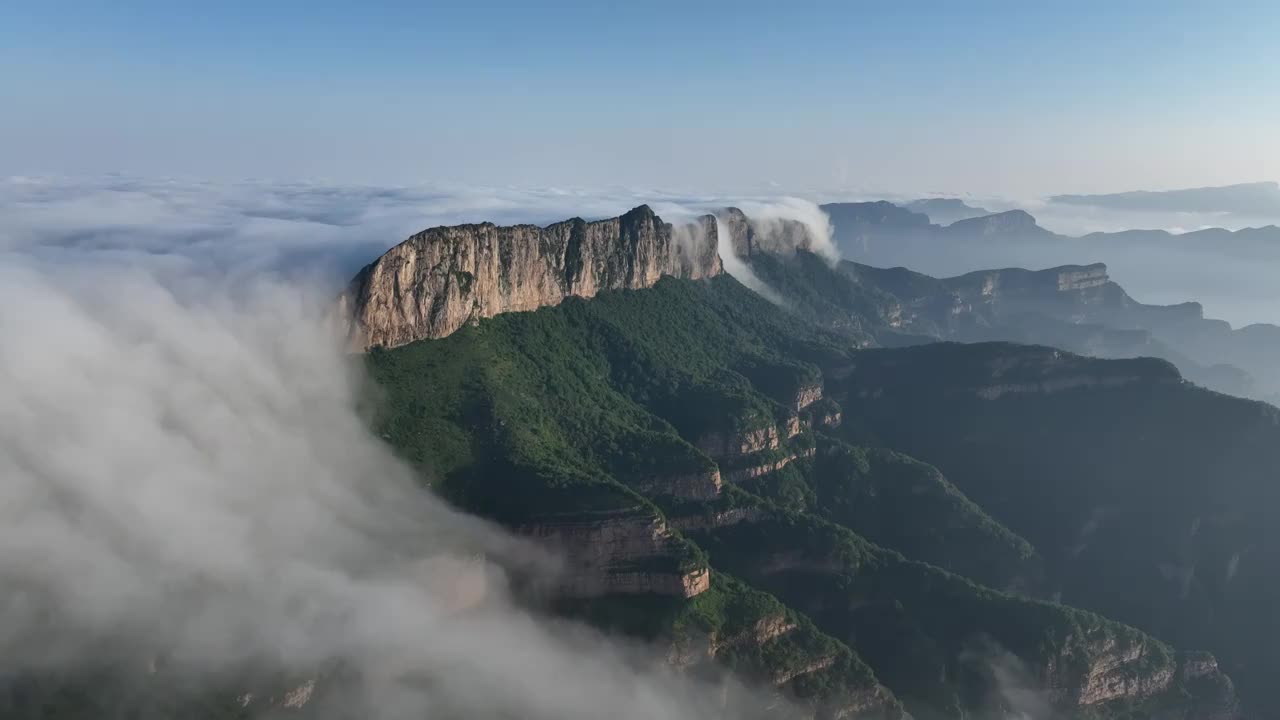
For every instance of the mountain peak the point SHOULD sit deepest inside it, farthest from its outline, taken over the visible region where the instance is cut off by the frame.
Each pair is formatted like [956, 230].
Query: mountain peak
[1011, 221]
[875, 213]
[443, 278]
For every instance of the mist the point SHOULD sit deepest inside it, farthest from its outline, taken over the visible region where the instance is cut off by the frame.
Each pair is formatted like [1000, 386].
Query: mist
[190, 491]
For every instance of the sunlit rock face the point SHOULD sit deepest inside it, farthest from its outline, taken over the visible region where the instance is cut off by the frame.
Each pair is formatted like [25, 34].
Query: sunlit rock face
[435, 282]
[618, 553]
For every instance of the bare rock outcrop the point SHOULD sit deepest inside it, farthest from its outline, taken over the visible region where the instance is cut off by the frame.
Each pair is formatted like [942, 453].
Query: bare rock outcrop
[709, 521]
[717, 444]
[1135, 671]
[764, 468]
[806, 396]
[618, 553]
[440, 279]
[704, 485]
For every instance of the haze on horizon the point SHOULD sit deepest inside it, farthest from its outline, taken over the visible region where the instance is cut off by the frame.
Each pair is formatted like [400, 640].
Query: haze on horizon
[990, 99]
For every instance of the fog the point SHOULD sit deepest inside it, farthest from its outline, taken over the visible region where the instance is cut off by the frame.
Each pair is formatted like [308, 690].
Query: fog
[189, 491]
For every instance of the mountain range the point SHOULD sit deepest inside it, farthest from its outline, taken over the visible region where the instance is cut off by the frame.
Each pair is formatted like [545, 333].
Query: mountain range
[879, 494]
[1108, 323]
[923, 510]
[1259, 199]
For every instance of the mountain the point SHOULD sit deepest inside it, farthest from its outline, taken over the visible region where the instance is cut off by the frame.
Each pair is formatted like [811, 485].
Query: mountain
[1260, 199]
[728, 482]
[697, 408]
[1242, 241]
[440, 279]
[878, 214]
[813, 496]
[1144, 493]
[1017, 223]
[1110, 324]
[944, 211]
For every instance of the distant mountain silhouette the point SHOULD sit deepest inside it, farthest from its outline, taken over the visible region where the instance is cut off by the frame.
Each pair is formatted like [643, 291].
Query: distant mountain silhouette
[1253, 199]
[944, 211]
[1013, 223]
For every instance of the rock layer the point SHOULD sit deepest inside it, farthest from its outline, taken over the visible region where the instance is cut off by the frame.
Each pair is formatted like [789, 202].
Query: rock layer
[440, 279]
[618, 553]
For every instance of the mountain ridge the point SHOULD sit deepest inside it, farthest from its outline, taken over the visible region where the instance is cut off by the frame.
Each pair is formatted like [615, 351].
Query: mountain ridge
[442, 278]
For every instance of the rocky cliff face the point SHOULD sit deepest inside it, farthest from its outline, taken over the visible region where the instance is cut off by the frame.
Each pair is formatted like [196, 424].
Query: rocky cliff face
[618, 553]
[777, 236]
[440, 279]
[719, 445]
[1116, 673]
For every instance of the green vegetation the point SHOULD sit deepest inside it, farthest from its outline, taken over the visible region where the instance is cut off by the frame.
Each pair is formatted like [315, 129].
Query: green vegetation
[591, 405]
[1153, 502]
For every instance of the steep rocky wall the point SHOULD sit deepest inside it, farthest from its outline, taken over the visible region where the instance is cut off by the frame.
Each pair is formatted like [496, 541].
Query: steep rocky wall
[1112, 672]
[440, 279]
[755, 471]
[807, 396]
[707, 521]
[617, 553]
[750, 237]
[689, 486]
[1128, 673]
[721, 445]
[1082, 278]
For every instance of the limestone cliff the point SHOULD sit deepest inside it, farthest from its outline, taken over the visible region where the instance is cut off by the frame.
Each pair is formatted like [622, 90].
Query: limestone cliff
[440, 279]
[625, 553]
[776, 236]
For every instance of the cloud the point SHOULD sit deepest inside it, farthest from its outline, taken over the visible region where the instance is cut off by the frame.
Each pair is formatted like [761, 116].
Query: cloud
[326, 231]
[766, 214]
[185, 482]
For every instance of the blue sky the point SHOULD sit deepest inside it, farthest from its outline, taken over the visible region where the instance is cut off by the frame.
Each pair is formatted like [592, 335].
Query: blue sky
[1019, 99]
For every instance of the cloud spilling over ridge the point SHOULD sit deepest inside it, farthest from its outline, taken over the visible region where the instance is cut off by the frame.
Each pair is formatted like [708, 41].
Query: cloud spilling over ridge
[767, 216]
[318, 232]
[185, 481]
[738, 268]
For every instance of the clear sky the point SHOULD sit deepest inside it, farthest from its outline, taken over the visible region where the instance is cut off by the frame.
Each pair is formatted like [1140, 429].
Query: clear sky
[1018, 98]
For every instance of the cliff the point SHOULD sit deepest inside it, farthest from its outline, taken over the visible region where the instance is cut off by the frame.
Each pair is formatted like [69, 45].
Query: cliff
[440, 279]
[623, 553]
[749, 236]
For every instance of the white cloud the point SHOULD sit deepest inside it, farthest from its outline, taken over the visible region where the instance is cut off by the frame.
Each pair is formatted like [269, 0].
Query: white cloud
[184, 476]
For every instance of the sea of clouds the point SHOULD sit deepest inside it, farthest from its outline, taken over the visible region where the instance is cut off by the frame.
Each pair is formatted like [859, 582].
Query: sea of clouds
[188, 489]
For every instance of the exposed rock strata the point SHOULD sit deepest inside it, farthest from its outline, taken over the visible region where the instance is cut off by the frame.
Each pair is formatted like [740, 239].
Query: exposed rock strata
[618, 553]
[688, 486]
[807, 396]
[786, 676]
[718, 444]
[720, 519]
[440, 279]
[755, 471]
